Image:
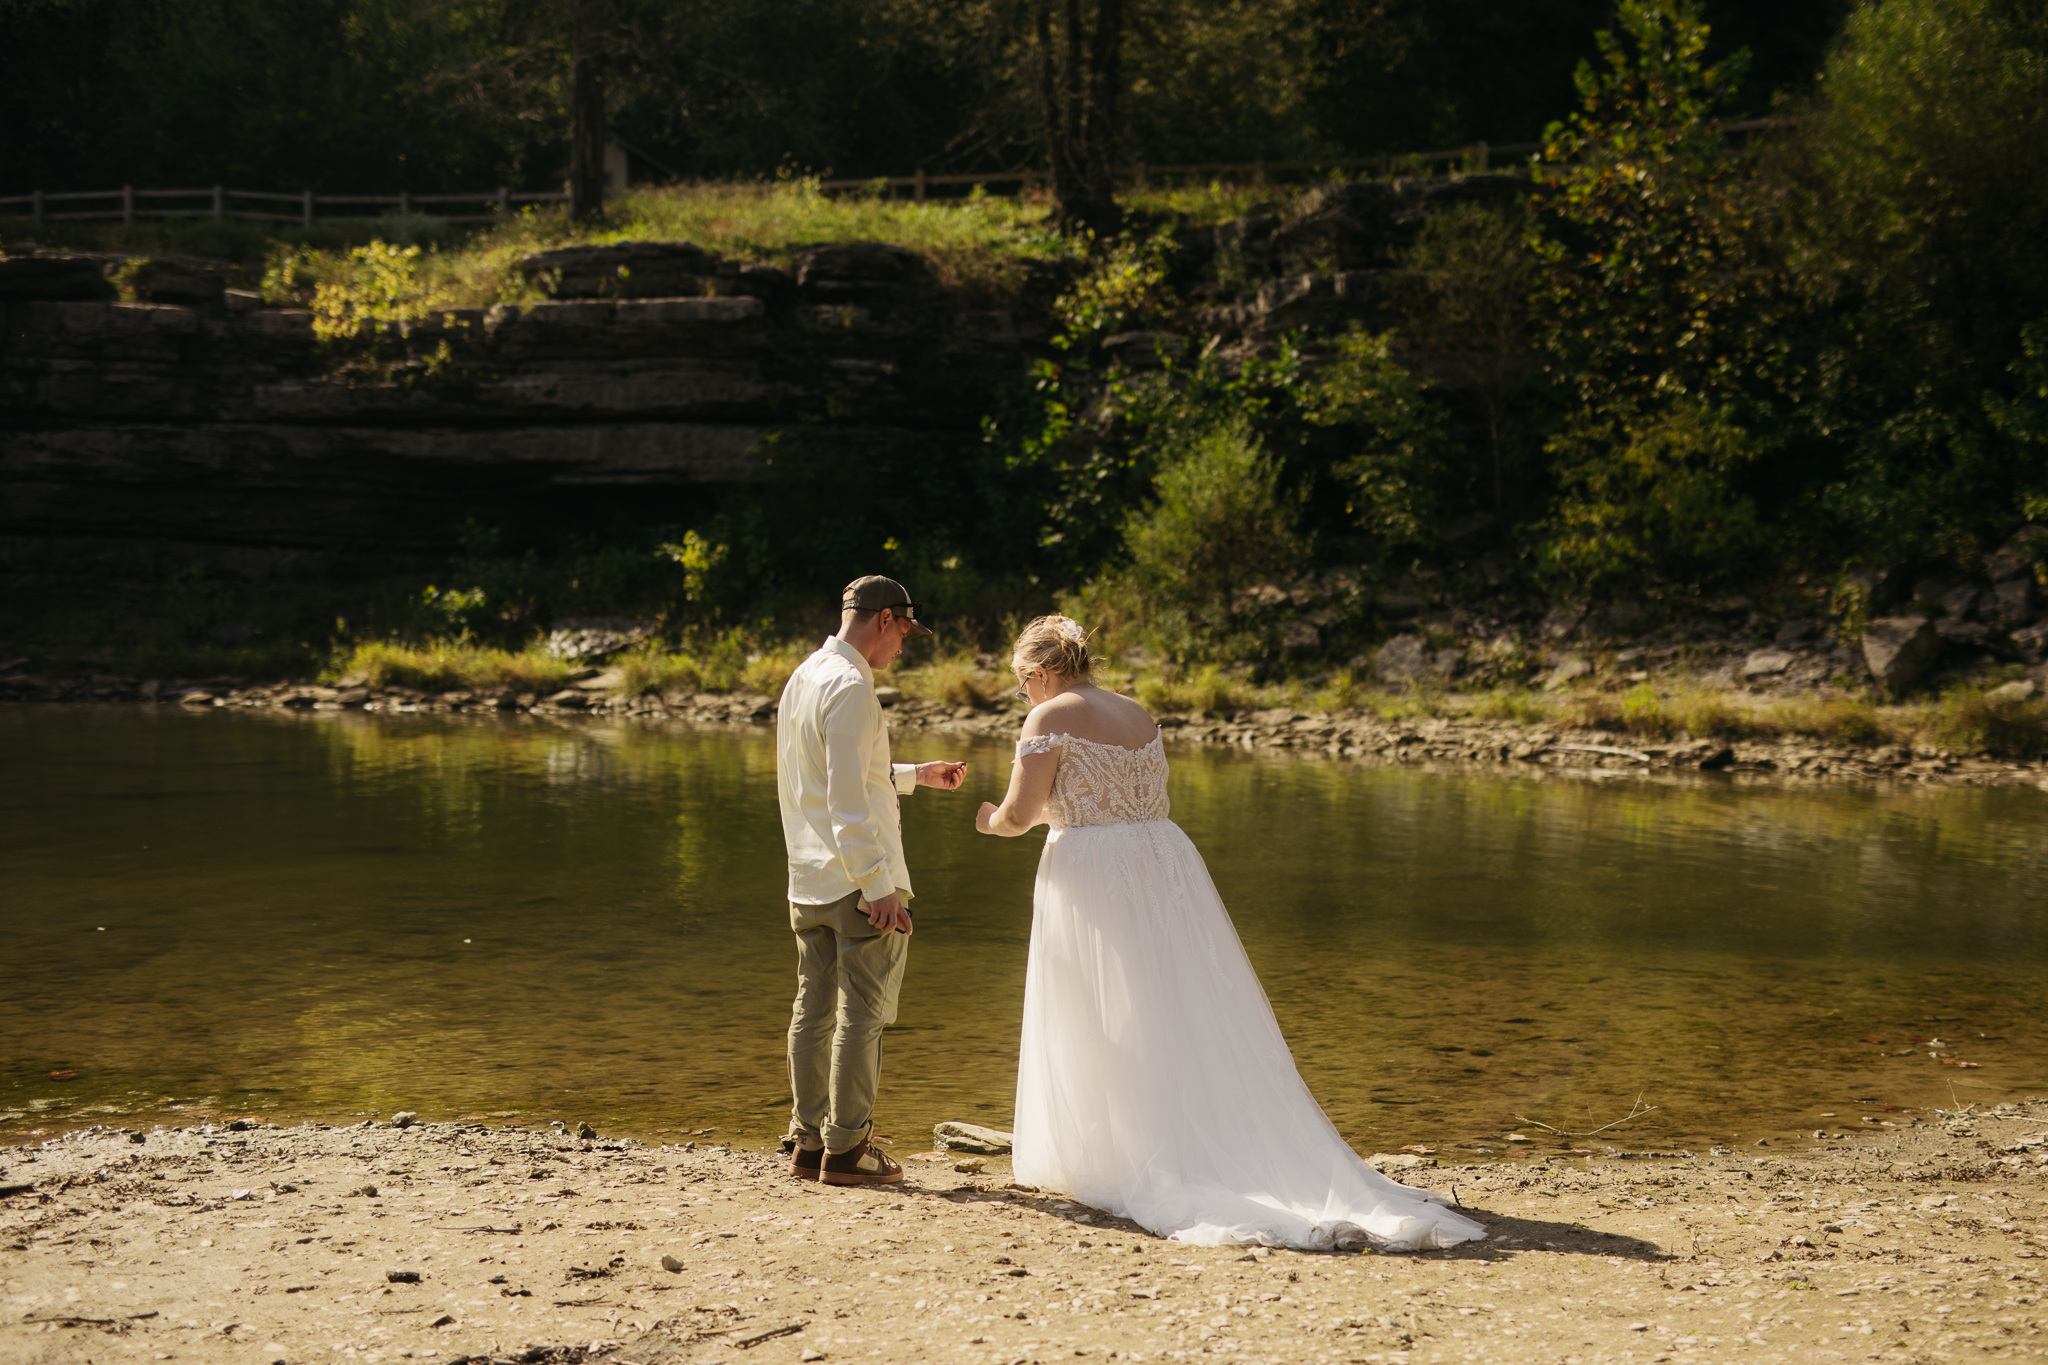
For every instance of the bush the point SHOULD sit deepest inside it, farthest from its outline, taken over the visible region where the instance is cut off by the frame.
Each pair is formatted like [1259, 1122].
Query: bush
[1221, 523]
[440, 666]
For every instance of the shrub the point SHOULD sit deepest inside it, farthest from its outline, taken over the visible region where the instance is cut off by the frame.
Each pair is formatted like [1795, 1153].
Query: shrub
[1209, 691]
[1221, 522]
[442, 666]
[1969, 720]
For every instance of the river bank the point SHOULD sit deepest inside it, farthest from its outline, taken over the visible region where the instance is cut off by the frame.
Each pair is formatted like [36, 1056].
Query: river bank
[1533, 732]
[480, 1239]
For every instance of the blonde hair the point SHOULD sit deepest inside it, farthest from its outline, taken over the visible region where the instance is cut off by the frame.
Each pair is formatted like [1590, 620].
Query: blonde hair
[1056, 644]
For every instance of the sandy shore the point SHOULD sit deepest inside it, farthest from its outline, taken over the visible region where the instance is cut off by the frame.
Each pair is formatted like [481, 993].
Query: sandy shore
[462, 1242]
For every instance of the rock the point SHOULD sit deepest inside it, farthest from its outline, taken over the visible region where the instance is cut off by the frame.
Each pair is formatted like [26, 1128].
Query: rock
[1767, 663]
[610, 680]
[1794, 633]
[856, 273]
[507, 700]
[569, 697]
[1959, 603]
[1957, 630]
[1399, 1161]
[671, 1264]
[196, 697]
[888, 696]
[1560, 621]
[1405, 658]
[582, 638]
[402, 1276]
[1880, 588]
[1717, 760]
[1299, 637]
[2032, 643]
[1569, 671]
[971, 1137]
[55, 275]
[585, 1131]
[621, 270]
[972, 1166]
[177, 279]
[404, 1118]
[2011, 603]
[1898, 649]
[2026, 689]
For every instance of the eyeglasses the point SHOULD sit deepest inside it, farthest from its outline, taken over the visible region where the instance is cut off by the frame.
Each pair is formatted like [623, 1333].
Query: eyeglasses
[1024, 686]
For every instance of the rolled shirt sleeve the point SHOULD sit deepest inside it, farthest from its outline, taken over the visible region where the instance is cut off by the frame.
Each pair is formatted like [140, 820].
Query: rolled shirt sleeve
[904, 775]
[855, 828]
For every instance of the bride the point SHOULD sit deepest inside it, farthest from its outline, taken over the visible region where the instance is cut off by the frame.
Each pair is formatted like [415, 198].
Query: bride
[1153, 1081]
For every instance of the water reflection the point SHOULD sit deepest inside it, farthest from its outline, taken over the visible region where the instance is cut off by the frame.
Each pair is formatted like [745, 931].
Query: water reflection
[330, 913]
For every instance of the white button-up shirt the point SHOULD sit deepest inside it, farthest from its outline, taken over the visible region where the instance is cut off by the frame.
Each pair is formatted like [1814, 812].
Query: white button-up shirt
[838, 788]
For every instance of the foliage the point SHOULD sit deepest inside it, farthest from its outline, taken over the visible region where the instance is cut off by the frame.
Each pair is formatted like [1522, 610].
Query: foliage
[1220, 522]
[1472, 271]
[444, 666]
[1124, 288]
[1922, 171]
[1656, 501]
[1656, 311]
[1402, 472]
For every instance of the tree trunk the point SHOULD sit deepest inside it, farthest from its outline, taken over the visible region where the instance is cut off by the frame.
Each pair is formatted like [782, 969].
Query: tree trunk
[1080, 75]
[586, 110]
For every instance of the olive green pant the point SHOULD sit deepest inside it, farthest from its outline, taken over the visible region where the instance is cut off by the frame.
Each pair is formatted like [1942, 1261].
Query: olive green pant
[847, 978]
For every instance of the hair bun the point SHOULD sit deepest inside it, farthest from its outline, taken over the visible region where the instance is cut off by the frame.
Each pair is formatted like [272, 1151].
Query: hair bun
[1057, 644]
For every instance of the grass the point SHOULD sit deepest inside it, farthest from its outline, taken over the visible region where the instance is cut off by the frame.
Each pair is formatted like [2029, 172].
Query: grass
[442, 666]
[1965, 720]
[956, 680]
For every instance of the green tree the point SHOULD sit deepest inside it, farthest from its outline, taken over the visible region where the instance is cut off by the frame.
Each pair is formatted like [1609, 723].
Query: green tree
[1922, 169]
[1660, 315]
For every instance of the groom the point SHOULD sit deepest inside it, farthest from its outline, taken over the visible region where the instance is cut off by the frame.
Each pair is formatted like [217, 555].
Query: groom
[848, 885]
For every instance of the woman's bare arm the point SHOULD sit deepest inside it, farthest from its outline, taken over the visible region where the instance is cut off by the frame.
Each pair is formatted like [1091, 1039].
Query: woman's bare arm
[1024, 804]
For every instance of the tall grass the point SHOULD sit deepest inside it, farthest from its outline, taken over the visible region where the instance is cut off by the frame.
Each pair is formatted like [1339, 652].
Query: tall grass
[442, 666]
[1209, 691]
[956, 680]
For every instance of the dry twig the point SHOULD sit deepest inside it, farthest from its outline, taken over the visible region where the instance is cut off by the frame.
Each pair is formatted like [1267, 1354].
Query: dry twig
[1636, 1111]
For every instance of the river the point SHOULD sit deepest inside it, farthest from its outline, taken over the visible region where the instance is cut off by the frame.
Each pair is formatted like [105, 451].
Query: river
[336, 914]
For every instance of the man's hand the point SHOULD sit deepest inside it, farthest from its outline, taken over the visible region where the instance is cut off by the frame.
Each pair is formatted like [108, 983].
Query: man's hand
[946, 776]
[888, 913]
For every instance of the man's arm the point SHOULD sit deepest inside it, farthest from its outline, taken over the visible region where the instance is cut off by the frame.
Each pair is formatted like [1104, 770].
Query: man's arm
[855, 831]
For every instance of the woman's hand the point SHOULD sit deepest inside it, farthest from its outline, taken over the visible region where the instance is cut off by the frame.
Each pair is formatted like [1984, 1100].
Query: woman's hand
[984, 816]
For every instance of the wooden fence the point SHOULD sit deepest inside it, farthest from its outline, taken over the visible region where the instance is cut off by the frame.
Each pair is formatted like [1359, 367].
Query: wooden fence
[304, 206]
[127, 204]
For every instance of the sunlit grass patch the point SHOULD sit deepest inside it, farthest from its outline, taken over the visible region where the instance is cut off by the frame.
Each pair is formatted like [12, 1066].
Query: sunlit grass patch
[1208, 691]
[1969, 720]
[444, 666]
[956, 680]
[1520, 708]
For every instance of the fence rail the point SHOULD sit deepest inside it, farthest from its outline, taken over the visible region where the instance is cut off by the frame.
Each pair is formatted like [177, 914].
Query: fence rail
[306, 204]
[127, 204]
[1478, 155]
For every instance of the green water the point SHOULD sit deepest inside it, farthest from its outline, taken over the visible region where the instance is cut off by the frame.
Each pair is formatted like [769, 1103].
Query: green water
[327, 914]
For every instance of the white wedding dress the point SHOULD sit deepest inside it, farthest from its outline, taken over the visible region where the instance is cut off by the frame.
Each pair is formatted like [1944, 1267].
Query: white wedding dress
[1153, 1081]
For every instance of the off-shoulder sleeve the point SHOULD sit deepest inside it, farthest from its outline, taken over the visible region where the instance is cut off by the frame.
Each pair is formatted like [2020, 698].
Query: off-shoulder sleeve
[1040, 744]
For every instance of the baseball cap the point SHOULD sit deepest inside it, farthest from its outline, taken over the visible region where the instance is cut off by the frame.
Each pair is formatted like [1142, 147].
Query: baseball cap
[874, 593]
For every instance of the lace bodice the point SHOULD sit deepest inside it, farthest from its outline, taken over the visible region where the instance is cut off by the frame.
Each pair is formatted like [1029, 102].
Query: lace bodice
[1102, 784]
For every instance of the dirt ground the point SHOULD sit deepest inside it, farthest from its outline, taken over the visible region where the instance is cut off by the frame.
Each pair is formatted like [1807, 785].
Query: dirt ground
[451, 1242]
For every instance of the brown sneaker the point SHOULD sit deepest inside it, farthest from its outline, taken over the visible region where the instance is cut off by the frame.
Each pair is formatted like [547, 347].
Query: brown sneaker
[804, 1163]
[862, 1165]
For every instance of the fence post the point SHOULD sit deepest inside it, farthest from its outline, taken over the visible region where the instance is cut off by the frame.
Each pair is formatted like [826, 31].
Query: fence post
[405, 201]
[920, 184]
[306, 211]
[1481, 155]
[1140, 171]
[39, 208]
[1259, 171]
[504, 201]
[220, 203]
[128, 205]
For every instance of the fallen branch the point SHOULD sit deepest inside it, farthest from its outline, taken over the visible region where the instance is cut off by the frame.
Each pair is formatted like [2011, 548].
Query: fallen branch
[1636, 1111]
[74, 1320]
[1601, 749]
[773, 1332]
[514, 1228]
